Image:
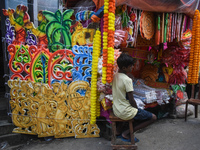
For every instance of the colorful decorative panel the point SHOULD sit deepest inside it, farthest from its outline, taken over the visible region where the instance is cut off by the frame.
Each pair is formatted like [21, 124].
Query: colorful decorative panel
[60, 66]
[50, 90]
[58, 29]
[39, 66]
[59, 111]
[10, 32]
[19, 63]
[82, 63]
[37, 36]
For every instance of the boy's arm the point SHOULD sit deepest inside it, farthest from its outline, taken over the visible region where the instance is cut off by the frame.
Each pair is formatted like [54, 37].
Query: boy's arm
[131, 99]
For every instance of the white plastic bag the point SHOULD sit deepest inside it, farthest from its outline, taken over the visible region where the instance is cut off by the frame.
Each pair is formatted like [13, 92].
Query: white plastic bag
[180, 110]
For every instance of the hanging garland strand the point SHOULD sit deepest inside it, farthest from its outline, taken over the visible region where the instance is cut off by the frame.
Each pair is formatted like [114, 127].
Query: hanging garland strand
[111, 32]
[196, 52]
[105, 41]
[193, 73]
[95, 57]
[98, 109]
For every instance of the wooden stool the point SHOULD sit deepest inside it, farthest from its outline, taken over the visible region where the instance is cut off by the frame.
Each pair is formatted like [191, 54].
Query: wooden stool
[115, 119]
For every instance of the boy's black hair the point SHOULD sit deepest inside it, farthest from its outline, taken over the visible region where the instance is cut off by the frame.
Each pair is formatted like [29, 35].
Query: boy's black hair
[125, 60]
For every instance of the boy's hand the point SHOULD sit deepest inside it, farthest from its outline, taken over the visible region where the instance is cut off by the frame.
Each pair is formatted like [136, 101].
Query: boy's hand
[131, 99]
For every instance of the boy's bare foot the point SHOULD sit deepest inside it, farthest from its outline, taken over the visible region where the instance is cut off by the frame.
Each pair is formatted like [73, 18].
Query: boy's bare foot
[126, 136]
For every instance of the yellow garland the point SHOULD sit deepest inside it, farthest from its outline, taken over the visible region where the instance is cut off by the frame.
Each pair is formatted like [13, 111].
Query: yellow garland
[98, 112]
[95, 57]
[193, 73]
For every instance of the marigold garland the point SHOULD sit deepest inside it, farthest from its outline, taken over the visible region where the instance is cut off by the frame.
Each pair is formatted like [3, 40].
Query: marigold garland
[98, 112]
[193, 73]
[105, 40]
[110, 40]
[95, 56]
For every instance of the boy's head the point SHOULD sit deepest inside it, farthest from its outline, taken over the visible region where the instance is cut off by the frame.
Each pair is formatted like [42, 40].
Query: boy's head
[125, 61]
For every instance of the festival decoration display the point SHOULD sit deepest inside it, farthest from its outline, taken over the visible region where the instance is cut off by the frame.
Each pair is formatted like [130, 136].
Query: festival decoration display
[193, 74]
[177, 57]
[83, 62]
[18, 22]
[95, 17]
[19, 63]
[60, 66]
[157, 34]
[39, 32]
[39, 66]
[58, 29]
[169, 28]
[10, 32]
[116, 55]
[165, 28]
[84, 15]
[79, 35]
[149, 73]
[59, 80]
[60, 112]
[147, 27]
[134, 23]
[105, 41]
[95, 57]
[50, 82]
[144, 42]
[186, 39]
[111, 32]
[31, 39]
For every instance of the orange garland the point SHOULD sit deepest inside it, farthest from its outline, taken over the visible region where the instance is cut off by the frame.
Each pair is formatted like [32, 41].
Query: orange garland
[111, 31]
[105, 41]
[193, 73]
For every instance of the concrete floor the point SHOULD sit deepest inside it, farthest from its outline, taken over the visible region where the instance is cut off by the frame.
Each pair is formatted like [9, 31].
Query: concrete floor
[165, 134]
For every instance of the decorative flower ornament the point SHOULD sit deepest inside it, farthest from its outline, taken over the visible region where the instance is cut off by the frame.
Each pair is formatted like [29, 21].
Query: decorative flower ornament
[105, 41]
[108, 41]
[95, 57]
[193, 73]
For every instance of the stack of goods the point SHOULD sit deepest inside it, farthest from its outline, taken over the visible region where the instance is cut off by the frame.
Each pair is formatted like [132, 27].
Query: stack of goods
[140, 103]
[147, 95]
[163, 96]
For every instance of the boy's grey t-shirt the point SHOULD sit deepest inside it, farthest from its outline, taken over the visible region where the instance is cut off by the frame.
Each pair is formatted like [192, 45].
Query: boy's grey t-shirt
[121, 106]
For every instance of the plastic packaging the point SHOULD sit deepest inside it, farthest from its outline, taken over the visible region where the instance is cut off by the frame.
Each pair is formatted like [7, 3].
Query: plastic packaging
[180, 110]
[182, 6]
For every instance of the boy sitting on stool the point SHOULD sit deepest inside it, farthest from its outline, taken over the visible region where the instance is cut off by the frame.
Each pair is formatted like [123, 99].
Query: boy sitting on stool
[123, 108]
